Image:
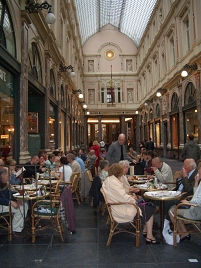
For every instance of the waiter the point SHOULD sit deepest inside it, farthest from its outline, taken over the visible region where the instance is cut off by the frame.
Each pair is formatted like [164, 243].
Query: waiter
[117, 151]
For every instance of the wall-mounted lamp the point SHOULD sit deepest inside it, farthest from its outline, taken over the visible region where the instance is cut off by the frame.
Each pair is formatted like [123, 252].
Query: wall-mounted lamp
[184, 73]
[63, 68]
[33, 8]
[87, 112]
[161, 91]
[76, 91]
[84, 104]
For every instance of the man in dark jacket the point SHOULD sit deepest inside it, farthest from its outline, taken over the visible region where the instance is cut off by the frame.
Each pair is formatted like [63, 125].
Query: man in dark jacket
[191, 149]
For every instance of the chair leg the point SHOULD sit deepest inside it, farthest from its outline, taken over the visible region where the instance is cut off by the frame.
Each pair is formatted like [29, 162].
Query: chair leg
[175, 233]
[60, 229]
[77, 197]
[92, 200]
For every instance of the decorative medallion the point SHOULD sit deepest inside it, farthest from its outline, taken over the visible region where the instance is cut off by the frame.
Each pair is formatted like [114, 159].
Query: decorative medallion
[109, 54]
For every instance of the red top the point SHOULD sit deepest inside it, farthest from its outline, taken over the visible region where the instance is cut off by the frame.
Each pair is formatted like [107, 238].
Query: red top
[96, 149]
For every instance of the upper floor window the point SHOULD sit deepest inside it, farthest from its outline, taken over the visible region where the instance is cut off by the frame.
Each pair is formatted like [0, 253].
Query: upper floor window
[109, 95]
[151, 114]
[7, 37]
[158, 110]
[174, 102]
[35, 67]
[63, 103]
[190, 94]
[52, 84]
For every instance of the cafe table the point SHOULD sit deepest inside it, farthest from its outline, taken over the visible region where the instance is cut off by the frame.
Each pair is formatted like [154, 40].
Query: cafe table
[138, 179]
[162, 196]
[31, 197]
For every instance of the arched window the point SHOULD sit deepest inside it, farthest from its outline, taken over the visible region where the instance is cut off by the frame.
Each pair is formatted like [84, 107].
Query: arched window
[145, 118]
[63, 103]
[151, 114]
[7, 37]
[174, 102]
[158, 111]
[190, 94]
[35, 67]
[52, 84]
[68, 105]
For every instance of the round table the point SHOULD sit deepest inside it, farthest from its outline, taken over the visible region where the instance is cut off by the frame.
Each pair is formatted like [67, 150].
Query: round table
[162, 196]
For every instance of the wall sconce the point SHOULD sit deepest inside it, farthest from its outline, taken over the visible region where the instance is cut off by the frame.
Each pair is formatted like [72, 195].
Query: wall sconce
[76, 91]
[161, 91]
[65, 68]
[136, 112]
[33, 8]
[84, 104]
[87, 112]
[184, 73]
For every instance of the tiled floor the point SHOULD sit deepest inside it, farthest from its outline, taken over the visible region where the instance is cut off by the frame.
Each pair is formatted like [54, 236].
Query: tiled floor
[87, 248]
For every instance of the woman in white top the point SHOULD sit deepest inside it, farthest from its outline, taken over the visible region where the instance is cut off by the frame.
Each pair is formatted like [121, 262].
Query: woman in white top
[65, 170]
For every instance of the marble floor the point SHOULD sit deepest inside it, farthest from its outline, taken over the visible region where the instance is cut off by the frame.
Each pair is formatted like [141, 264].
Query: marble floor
[87, 248]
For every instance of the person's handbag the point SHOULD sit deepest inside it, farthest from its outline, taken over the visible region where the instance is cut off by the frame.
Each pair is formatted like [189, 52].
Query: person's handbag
[168, 233]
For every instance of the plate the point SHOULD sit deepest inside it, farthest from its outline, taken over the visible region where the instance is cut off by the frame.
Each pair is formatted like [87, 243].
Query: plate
[172, 193]
[16, 194]
[156, 194]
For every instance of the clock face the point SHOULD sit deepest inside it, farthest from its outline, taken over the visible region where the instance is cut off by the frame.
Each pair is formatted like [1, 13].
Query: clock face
[109, 54]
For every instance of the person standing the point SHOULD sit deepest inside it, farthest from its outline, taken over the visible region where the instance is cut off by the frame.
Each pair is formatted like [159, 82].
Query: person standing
[117, 151]
[149, 145]
[191, 149]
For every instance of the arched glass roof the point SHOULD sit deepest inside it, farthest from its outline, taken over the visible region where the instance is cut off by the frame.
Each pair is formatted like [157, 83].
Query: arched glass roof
[129, 16]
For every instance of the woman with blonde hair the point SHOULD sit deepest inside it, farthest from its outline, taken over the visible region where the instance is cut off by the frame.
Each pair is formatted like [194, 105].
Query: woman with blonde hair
[116, 193]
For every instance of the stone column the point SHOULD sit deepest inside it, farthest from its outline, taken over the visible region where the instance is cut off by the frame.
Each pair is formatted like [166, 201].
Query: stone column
[181, 120]
[122, 124]
[24, 155]
[198, 102]
[67, 127]
[47, 100]
[99, 128]
[58, 125]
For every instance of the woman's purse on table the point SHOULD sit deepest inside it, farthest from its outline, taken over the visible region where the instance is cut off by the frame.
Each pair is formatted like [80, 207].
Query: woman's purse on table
[168, 233]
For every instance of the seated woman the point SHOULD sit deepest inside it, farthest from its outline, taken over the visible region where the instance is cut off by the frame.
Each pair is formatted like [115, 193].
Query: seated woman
[65, 170]
[193, 213]
[124, 180]
[6, 199]
[104, 166]
[115, 192]
[14, 180]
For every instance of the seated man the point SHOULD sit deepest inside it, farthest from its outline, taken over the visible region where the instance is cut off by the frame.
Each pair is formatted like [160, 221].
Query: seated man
[185, 183]
[162, 171]
[7, 199]
[193, 213]
[32, 167]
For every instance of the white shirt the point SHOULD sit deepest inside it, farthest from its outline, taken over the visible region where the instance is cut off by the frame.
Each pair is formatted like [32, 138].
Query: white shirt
[66, 170]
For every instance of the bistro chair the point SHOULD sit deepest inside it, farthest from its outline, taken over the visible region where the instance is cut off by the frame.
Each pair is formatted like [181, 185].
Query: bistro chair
[6, 222]
[91, 180]
[195, 224]
[74, 185]
[127, 227]
[47, 210]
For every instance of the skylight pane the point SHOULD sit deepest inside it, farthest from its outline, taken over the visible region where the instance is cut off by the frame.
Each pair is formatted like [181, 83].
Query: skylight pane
[129, 16]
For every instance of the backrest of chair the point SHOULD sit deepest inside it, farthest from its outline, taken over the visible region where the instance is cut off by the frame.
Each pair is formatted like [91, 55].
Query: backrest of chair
[75, 183]
[176, 175]
[107, 205]
[72, 176]
[90, 176]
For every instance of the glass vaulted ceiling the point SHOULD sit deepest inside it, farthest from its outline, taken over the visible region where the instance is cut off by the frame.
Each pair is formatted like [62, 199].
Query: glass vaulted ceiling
[129, 16]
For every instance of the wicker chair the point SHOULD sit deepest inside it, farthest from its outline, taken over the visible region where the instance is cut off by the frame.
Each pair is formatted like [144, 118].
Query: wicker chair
[47, 210]
[127, 227]
[74, 184]
[196, 224]
[6, 222]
